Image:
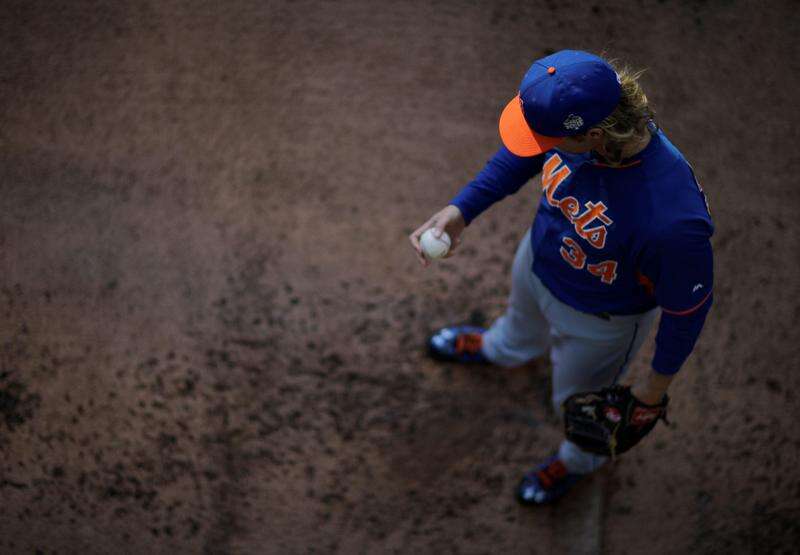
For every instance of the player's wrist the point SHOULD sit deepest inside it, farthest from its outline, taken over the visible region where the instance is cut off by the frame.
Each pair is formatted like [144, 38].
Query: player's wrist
[455, 212]
[652, 389]
[647, 395]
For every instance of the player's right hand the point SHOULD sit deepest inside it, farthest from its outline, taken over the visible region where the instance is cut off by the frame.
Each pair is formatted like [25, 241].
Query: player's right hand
[447, 219]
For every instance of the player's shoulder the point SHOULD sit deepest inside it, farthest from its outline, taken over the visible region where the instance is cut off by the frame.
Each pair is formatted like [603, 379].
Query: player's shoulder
[673, 200]
[670, 179]
[662, 162]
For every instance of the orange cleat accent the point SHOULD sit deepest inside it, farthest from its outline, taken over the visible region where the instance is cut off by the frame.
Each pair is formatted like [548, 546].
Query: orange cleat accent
[469, 343]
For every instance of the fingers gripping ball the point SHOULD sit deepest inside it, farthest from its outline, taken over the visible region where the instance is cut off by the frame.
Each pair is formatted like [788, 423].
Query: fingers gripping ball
[432, 246]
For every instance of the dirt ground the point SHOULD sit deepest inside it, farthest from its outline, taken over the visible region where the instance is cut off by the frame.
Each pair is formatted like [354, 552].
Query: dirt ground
[212, 322]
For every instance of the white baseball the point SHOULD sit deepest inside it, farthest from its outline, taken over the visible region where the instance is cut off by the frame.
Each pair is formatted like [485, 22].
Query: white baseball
[434, 247]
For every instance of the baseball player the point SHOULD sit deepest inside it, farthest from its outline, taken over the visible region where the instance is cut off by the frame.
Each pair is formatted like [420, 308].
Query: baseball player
[620, 239]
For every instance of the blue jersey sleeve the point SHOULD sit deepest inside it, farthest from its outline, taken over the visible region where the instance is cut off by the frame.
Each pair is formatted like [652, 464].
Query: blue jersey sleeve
[503, 175]
[680, 267]
[676, 338]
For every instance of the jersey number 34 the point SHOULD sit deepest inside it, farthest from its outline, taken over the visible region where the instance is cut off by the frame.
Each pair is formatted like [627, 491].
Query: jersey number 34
[574, 255]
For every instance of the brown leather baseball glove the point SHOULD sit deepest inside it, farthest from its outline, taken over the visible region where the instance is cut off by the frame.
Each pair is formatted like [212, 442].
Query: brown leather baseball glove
[610, 421]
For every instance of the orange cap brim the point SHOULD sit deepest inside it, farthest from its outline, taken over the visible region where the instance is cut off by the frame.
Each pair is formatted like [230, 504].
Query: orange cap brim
[518, 137]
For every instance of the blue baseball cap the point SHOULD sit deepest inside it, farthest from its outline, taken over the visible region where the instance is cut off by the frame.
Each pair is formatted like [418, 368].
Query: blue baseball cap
[562, 94]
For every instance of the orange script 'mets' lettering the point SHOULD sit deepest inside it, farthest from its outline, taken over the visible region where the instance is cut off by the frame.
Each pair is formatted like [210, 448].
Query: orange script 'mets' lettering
[553, 174]
[569, 207]
[551, 178]
[595, 235]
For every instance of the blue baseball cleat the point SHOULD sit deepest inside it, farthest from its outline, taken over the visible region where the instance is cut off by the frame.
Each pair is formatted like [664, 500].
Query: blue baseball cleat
[458, 344]
[546, 483]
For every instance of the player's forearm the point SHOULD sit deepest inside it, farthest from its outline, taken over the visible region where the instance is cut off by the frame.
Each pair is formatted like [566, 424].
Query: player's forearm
[503, 175]
[676, 338]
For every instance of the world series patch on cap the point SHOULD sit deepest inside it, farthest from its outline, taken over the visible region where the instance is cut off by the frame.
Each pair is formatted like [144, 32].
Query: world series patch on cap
[563, 94]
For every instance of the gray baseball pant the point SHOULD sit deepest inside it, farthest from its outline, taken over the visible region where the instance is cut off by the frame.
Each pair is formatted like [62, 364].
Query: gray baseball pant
[588, 352]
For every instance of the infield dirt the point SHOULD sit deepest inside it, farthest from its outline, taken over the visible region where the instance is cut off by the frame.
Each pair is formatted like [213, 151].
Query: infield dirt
[213, 323]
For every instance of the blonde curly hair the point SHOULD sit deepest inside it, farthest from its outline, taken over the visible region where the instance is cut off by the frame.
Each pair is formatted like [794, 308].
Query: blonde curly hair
[631, 116]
